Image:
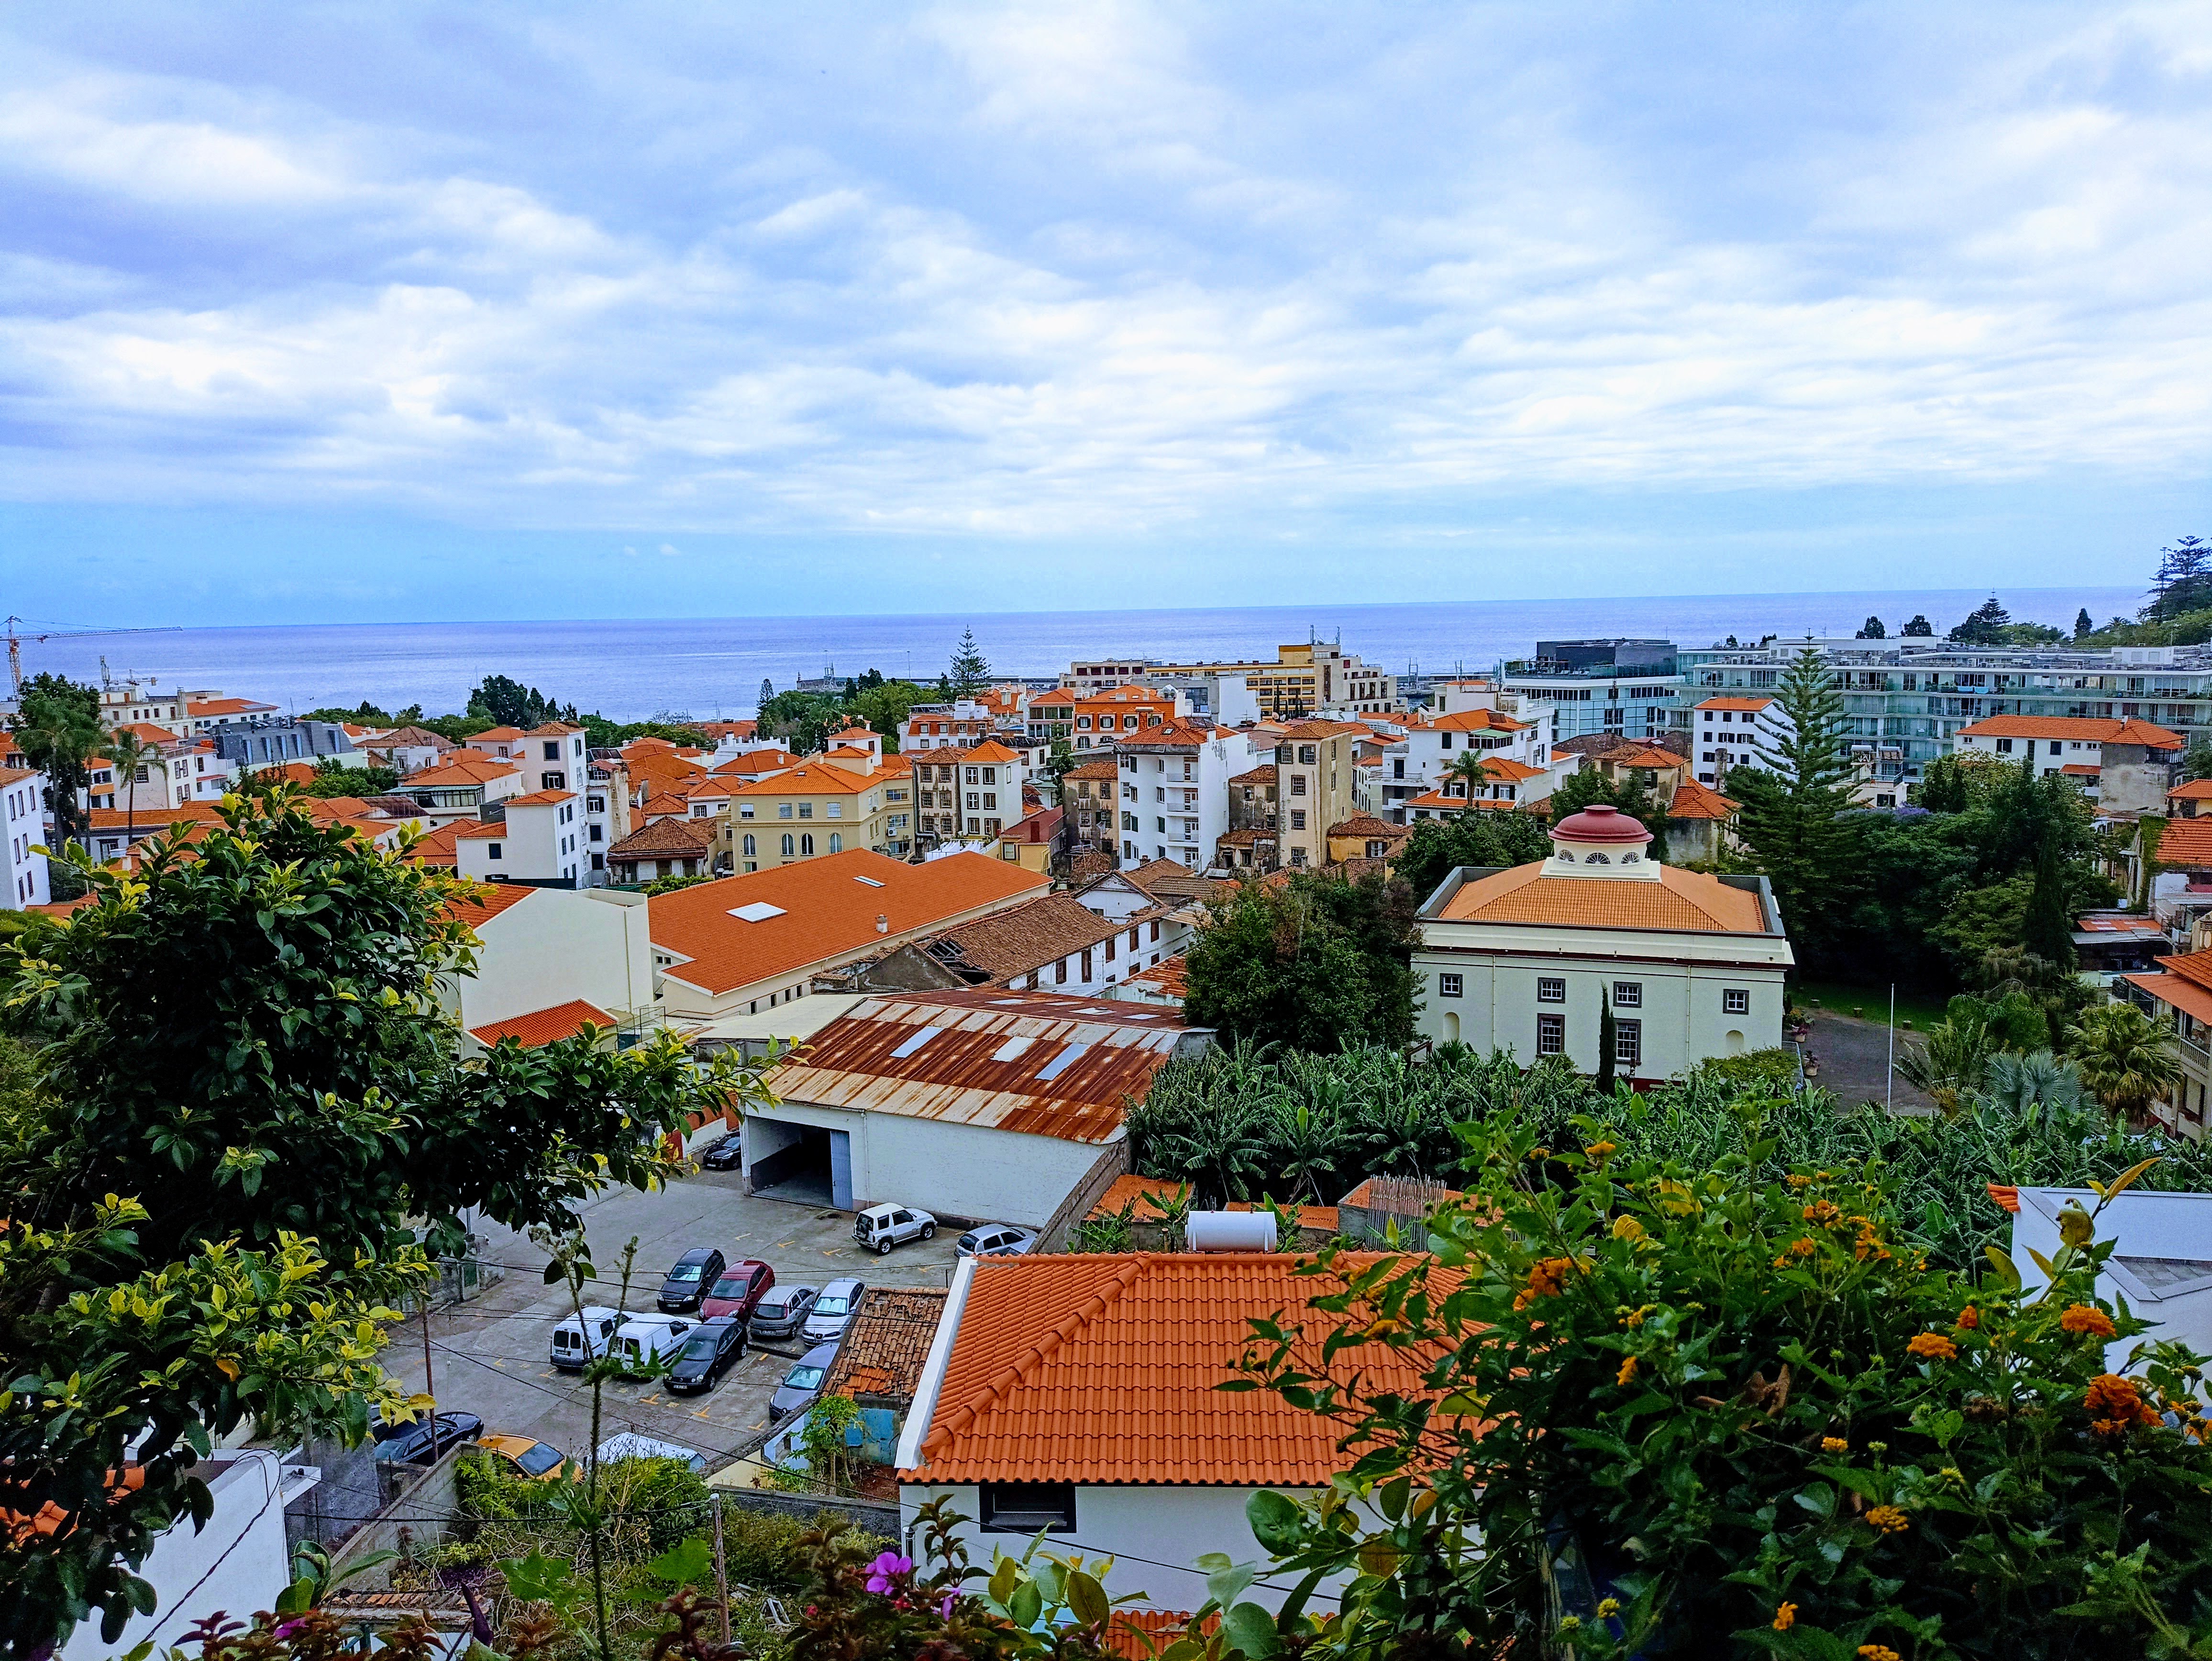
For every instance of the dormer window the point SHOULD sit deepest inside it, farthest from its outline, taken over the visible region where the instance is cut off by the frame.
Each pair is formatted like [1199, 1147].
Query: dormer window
[1595, 859]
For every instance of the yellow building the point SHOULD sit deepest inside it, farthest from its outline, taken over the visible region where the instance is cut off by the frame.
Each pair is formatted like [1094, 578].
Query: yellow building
[816, 808]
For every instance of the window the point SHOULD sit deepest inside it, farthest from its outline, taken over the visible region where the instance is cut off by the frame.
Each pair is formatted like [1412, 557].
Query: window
[1086, 963]
[783, 812]
[1628, 1043]
[750, 848]
[2004, 746]
[806, 846]
[1551, 989]
[787, 845]
[1551, 1035]
[552, 750]
[599, 833]
[1736, 1001]
[1025, 1507]
[1059, 973]
[836, 842]
[492, 851]
[1447, 986]
[1297, 818]
[1297, 784]
[837, 810]
[1628, 995]
[806, 810]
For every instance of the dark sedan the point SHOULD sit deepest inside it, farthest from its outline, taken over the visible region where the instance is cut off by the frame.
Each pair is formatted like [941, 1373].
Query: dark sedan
[687, 1282]
[726, 1155]
[707, 1354]
[419, 1443]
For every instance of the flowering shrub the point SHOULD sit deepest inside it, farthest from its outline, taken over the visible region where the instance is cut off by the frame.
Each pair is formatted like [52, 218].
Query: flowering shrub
[1681, 1412]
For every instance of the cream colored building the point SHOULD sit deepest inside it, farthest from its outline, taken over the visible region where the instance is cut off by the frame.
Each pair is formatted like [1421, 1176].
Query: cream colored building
[1316, 777]
[816, 808]
[1527, 958]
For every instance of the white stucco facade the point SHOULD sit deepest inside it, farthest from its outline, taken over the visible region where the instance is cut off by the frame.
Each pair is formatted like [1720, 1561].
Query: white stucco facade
[23, 834]
[554, 946]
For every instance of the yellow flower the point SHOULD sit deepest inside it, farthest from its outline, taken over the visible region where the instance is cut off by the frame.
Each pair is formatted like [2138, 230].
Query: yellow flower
[1834, 1445]
[1626, 1228]
[1599, 1150]
[1797, 1181]
[1785, 1617]
[1609, 1607]
[1879, 1653]
[1627, 1373]
[1934, 1345]
[1889, 1519]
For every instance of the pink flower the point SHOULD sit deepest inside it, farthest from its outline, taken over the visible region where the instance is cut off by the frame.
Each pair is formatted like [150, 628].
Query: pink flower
[944, 1609]
[885, 1572]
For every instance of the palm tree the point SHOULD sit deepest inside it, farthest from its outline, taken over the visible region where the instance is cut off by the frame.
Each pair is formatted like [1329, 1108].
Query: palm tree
[128, 751]
[2124, 1056]
[1954, 1063]
[1468, 767]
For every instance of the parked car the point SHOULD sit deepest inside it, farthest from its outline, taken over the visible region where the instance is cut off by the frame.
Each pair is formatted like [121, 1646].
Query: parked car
[726, 1154]
[739, 1291]
[420, 1443]
[711, 1351]
[880, 1228]
[648, 1337]
[527, 1455]
[629, 1445]
[687, 1282]
[802, 1383]
[575, 1342]
[782, 1311]
[995, 1240]
[832, 1313]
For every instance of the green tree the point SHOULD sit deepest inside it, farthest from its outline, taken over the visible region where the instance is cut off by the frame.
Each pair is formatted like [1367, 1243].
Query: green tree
[1059, 760]
[129, 752]
[1872, 629]
[801, 720]
[1315, 962]
[2196, 760]
[884, 705]
[2083, 628]
[1985, 625]
[291, 1111]
[1790, 821]
[2127, 1059]
[508, 702]
[1434, 849]
[57, 728]
[1608, 1038]
[970, 671]
[1919, 626]
[2184, 583]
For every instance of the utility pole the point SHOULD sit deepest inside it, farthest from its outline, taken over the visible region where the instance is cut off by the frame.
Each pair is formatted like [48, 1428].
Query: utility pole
[721, 1573]
[428, 1388]
[1889, 1074]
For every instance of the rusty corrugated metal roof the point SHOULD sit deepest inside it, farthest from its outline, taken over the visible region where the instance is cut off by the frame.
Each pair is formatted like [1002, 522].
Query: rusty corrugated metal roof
[1030, 1061]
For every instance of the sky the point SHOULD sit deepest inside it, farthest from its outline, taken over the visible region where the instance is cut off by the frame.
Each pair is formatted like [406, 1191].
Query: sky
[388, 312]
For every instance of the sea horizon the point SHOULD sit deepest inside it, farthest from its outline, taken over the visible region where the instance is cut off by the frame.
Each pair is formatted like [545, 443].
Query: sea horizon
[706, 668]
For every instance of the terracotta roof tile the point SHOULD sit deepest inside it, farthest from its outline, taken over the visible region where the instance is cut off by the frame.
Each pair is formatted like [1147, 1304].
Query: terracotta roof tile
[828, 908]
[1744, 704]
[1141, 1635]
[1366, 824]
[886, 1344]
[808, 779]
[1510, 771]
[1095, 770]
[2083, 729]
[2176, 991]
[684, 838]
[1010, 944]
[1477, 720]
[1693, 800]
[451, 772]
[2005, 1195]
[542, 798]
[488, 901]
[1643, 756]
[499, 735]
[436, 846]
[1169, 975]
[1257, 776]
[2185, 843]
[2195, 790]
[2192, 966]
[562, 1020]
[1680, 900]
[1132, 1191]
[225, 707]
[1100, 1368]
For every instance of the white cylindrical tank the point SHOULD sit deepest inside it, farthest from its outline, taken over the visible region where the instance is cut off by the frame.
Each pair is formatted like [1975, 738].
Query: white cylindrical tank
[1229, 1231]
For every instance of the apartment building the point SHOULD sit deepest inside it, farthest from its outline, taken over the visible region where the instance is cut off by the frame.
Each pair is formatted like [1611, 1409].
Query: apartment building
[1103, 718]
[955, 726]
[1629, 688]
[169, 772]
[1416, 764]
[1051, 714]
[540, 840]
[467, 788]
[814, 809]
[1314, 774]
[1179, 775]
[1304, 678]
[22, 835]
[2125, 765]
[1736, 732]
[262, 741]
[1093, 796]
[972, 791]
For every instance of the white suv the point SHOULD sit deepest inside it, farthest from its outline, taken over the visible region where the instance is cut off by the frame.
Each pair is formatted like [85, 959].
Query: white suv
[880, 1228]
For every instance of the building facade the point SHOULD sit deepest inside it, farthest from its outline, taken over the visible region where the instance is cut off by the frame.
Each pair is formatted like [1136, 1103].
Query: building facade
[1180, 775]
[1315, 775]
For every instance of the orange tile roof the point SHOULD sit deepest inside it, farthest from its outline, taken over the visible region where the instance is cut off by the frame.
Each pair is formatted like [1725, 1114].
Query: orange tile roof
[562, 1020]
[1366, 824]
[14, 776]
[2085, 729]
[1750, 705]
[1170, 974]
[1323, 729]
[1099, 1368]
[287, 772]
[1131, 1191]
[2006, 1194]
[1645, 756]
[2193, 966]
[829, 906]
[666, 804]
[756, 762]
[1511, 771]
[490, 830]
[499, 735]
[1440, 799]
[201, 707]
[1140, 1635]
[542, 798]
[1693, 800]
[1131, 693]
[2195, 790]
[1477, 720]
[146, 732]
[436, 846]
[451, 772]
[2081, 770]
[1680, 900]
[991, 751]
[2176, 991]
[2185, 843]
[1104, 1054]
[159, 819]
[488, 901]
[808, 779]
[552, 729]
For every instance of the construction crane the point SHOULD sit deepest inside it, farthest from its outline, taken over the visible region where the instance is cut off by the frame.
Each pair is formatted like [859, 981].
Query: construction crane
[15, 641]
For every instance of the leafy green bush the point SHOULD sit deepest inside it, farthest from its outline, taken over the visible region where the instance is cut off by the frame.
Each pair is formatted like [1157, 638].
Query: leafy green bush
[1757, 1071]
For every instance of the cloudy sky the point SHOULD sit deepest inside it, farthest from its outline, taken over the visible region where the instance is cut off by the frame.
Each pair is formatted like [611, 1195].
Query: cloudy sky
[329, 313]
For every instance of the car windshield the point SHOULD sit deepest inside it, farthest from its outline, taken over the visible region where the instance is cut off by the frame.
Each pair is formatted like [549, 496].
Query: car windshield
[804, 1378]
[832, 1305]
[701, 1346]
[733, 1285]
[686, 1272]
[539, 1458]
[967, 1240]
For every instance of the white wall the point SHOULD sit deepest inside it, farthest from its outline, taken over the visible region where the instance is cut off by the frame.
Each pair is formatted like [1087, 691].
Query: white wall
[237, 1564]
[23, 828]
[557, 946]
[960, 1170]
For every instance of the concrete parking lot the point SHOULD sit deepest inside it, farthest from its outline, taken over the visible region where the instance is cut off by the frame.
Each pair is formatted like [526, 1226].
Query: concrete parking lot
[491, 1355]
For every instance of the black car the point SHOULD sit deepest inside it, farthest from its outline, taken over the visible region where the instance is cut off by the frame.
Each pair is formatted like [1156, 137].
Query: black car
[687, 1282]
[707, 1354]
[412, 1445]
[726, 1155]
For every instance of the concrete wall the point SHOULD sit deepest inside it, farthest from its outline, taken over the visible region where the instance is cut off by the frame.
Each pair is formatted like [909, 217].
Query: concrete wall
[556, 946]
[432, 1493]
[958, 1170]
[237, 1564]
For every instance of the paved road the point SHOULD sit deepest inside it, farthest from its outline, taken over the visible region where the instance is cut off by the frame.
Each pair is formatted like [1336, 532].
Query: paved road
[489, 1356]
[1854, 1057]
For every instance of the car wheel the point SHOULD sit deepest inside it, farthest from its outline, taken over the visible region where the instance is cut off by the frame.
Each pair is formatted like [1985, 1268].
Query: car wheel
[884, 1247]
[929, 1231]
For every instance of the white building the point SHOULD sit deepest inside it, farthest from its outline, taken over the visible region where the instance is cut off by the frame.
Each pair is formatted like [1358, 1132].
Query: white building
[1179, 775]
[1416, 764]
[541, 840]
[22, 824]
[2161, 1264]
[1736, 732]
[2123, 764]
[1076, 1393]
[982, 1103]
[551, 950]
[1526, 958]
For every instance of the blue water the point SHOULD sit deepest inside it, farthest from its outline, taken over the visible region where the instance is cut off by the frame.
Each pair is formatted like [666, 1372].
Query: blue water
[713, 668]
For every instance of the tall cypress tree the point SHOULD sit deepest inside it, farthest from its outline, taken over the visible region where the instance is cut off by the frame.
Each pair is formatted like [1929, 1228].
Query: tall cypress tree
[1793, 801]
[970, 671]
[1608, 1038]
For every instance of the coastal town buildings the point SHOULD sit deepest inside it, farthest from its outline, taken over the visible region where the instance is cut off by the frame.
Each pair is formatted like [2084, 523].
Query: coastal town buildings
[1314, 764]
[1736, 730]
[1175, 796]
[2123, 764]
[23, 832]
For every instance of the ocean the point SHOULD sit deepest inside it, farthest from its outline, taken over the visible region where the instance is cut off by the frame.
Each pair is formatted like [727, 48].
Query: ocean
[713, 668]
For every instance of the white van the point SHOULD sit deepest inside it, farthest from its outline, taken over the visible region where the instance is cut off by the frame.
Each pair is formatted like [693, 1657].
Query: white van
[575, 1342]
[648, 1337]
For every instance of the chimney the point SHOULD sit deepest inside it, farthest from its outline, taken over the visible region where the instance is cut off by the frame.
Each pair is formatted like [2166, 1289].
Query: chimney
[883, 923]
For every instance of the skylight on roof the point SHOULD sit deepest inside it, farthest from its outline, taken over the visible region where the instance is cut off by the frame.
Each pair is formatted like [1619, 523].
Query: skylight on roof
[1060, 1063]
[758, 912]
[873, 882]
[1012, 1048]
[916, 1042]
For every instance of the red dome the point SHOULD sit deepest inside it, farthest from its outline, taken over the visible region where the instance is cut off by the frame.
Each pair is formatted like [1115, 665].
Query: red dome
[1602, 822]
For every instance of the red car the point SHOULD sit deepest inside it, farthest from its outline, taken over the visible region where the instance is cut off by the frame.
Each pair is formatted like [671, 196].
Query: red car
[741, 1287]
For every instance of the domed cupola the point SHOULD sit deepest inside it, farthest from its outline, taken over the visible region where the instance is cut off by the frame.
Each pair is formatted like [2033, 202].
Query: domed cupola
[1602, 840]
